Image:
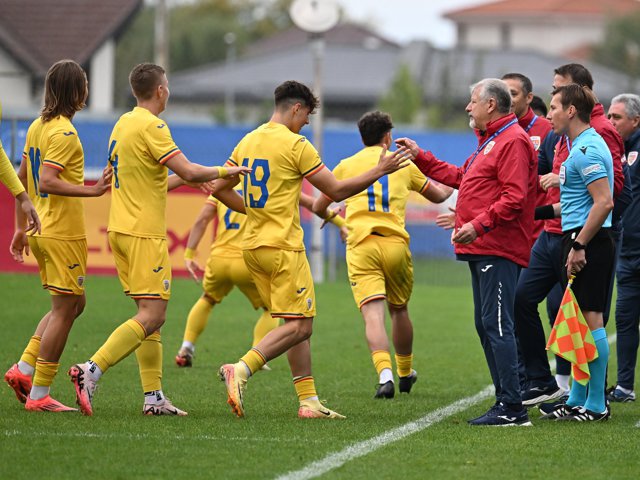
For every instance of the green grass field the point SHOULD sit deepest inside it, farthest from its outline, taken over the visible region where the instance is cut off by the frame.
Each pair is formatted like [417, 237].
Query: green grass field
[119, 443]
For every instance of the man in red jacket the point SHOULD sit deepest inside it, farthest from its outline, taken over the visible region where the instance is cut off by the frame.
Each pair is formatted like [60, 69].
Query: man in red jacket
[494, 222]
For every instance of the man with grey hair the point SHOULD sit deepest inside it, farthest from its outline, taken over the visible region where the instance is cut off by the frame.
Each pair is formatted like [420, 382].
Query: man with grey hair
[493, 226]
[624, 115]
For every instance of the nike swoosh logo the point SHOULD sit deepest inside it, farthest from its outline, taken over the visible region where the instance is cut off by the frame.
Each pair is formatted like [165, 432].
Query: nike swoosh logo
[68, 134]
[156, 270]
[325, 413]
[301, 290]
[486, 268]
[71, 267]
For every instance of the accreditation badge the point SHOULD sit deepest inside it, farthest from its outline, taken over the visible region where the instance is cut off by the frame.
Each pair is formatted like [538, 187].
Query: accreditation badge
[535, 139]
[631, 158]
[562, 174]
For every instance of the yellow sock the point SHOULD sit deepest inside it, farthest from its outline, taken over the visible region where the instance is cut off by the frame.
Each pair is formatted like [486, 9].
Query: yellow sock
[30, 354]
[149, 356]
[403, 364]
[381, 360]
[197, 320]
[305, 387]
[264, 325]
[124, 340]
[254, 359]
[45, 372]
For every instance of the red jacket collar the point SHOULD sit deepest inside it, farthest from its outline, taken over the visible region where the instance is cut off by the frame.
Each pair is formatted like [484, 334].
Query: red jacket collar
[495, 125]
[526, 118]
[597, 111]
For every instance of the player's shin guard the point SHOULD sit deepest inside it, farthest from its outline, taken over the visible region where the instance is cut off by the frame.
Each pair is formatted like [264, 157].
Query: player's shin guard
[404, 364]
[264, 325]
[305, 387]
[124, 340]
[149, 356]
[197, 320]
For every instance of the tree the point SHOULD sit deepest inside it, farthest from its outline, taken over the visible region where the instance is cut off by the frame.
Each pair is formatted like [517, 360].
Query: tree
[620, 48]
[196, 34]
[403, 101]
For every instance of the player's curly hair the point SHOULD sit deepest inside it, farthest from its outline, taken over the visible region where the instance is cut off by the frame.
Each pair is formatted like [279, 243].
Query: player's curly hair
[144, 79]
[374, 126]
[65, 90]
[292, 92]
[581, 97]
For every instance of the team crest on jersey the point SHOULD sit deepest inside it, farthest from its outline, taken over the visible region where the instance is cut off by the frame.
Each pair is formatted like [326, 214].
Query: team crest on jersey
[562, 174]
[489, 146]
[80, 281]
[166, 284]
[536, 142]
[631, 159]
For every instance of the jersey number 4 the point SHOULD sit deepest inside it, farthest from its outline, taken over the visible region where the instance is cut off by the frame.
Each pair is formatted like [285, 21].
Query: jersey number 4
[258, 178]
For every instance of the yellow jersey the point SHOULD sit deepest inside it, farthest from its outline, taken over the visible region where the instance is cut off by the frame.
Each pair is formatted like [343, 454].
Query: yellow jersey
[139, 146]
[8, 174]
[279, 160]
[55, 144]
[229, 231]
[381, 207]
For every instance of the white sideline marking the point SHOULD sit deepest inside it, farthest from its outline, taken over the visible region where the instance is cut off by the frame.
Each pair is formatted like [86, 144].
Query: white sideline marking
[360, 449]
[335, 460]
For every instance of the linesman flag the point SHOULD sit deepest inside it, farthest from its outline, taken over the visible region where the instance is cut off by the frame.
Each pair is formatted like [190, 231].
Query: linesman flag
[571, 338]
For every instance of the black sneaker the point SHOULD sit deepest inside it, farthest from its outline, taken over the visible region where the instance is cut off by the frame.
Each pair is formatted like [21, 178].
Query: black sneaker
[504, 417]
[405, 383]
[584, 415]
[614, 394]
[536, 394]
[494, 408]
[385, 390]
[560, 411]
[550, 407]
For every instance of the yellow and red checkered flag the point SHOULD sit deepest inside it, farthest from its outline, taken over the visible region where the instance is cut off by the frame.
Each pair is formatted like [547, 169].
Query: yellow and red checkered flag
[571, 338]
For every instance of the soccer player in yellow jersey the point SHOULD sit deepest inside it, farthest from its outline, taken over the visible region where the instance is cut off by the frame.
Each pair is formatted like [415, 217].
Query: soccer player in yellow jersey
[225, 269]
[378, 256]
[272, 243]
[141, 150]
[53, 170]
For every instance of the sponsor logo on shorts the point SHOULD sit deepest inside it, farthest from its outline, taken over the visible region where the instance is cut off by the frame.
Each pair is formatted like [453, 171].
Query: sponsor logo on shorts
[485, 269]
[631, 159]
[166, 284]
[309, 303]
[160, 126]
[71, 267]
[353, 284]
[68, 134]
[300, 290]
[489, 147]
[80, 281]
[156, 270]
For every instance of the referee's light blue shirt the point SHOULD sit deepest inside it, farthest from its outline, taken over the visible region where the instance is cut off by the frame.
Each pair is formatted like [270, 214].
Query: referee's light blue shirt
[589, 160]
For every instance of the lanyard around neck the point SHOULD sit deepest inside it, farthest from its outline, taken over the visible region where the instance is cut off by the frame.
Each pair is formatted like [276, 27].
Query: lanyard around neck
[487, 141]
[531, 123]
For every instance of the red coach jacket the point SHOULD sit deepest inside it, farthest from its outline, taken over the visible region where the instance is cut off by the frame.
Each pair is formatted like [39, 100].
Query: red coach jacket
[602, 126]
[537, 130]
[497, 190]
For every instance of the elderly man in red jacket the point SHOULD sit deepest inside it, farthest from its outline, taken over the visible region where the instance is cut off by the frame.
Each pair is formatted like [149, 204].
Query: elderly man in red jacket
[494, 222]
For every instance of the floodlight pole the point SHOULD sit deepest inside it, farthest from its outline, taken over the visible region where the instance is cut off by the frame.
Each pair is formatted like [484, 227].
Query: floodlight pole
[161, 37]
[317, 43]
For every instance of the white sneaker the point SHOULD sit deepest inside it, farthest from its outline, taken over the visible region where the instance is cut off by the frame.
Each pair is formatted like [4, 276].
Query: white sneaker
[163, 408]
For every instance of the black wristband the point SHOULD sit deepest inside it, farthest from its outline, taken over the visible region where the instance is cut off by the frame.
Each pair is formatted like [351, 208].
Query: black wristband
[544, 212]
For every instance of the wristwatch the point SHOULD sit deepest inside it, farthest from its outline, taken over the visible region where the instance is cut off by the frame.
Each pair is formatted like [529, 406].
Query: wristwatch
[578, 246]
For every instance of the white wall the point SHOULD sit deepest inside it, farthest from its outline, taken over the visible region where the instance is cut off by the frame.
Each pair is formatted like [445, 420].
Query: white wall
[15, 84]
[102, 71]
